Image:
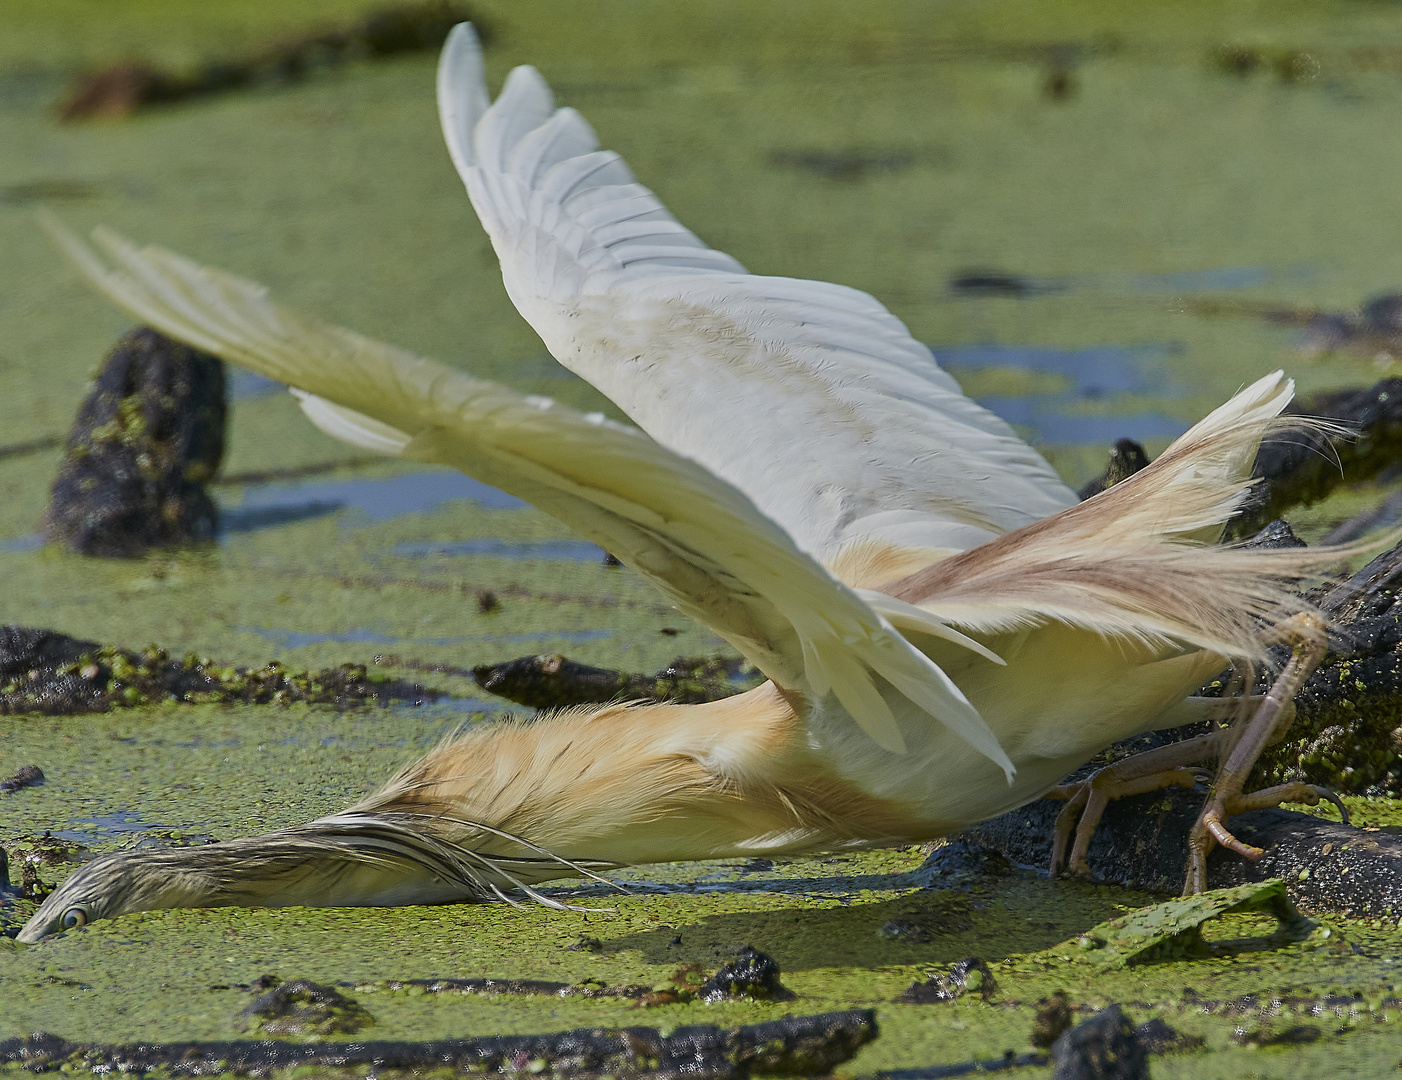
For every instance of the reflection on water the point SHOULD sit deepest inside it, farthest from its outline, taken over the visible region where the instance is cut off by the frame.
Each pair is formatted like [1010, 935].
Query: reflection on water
[544, 550]
[102, 827]
[297, 639]
[267, 505]
[1093, 372]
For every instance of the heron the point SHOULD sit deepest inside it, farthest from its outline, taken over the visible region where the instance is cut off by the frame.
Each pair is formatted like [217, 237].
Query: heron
[946, 632]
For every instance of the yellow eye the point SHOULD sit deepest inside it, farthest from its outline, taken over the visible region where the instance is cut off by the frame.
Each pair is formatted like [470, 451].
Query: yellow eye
[74, 916]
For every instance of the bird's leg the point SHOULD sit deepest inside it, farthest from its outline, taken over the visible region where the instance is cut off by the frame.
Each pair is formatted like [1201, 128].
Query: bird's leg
[1267, 725]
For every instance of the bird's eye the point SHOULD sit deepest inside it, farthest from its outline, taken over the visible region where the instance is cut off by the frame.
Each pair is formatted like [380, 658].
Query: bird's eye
[74, 916]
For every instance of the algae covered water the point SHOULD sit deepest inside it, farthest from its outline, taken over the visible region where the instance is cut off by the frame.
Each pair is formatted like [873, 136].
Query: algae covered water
[1095, 216]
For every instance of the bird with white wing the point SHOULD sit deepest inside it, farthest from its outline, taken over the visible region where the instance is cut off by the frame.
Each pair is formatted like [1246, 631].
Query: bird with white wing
[945, 631]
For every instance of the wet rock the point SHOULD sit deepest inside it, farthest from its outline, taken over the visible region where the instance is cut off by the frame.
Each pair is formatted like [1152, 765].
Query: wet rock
[1142, 843]
[1127, 457]
[793, 1046]
[968, 976]
[958, 860]
[1102, 1048]
[752, 974]
[304, 1009]
[27, 776]
[147, 439]
[1052, 1020]
[43, 671]
[554, 682]
[119, 91]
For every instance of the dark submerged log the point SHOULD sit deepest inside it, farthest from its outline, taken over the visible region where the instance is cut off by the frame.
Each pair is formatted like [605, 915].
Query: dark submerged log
[554, 682]
[793, 1046]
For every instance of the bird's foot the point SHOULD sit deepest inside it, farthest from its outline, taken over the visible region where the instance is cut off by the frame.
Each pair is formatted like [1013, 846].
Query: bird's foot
[1086, 800]
[1246, 740]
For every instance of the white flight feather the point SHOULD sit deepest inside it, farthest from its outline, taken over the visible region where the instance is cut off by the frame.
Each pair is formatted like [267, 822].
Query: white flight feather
[698, 352]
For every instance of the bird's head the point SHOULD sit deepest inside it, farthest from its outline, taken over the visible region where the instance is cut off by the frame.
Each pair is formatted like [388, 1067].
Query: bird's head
[116, 884]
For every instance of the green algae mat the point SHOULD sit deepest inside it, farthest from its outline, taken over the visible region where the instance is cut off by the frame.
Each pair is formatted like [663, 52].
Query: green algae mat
[1089, 211]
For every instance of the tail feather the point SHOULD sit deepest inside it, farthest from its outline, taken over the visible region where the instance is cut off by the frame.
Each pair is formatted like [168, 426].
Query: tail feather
[1141, 560]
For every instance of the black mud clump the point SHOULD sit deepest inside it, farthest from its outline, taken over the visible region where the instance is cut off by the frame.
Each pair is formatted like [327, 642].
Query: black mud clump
[793, 1046]
[1104, 1047]
[554, 682]
[305, 1010]
[147, 439]
[118, 91]
[23, 777]
[1053, 1020]
[752, 974]
[969, 976]
[1127, 457]
[43, 671]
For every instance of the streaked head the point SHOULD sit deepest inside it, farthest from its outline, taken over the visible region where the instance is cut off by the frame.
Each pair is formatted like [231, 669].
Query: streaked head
[116, 884]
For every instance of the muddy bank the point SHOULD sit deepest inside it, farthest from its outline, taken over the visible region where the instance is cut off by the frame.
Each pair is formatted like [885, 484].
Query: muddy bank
[118, 91]
[44, 671]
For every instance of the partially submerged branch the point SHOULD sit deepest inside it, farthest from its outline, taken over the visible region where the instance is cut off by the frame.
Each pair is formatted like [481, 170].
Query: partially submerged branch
[553, 682]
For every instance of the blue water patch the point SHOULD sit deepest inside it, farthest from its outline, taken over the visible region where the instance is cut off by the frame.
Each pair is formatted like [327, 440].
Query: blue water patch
[32, 542]
[268, 505]
[107, 827]
[1221, 278]
[1095, 372]
[245, 385]
[543, 550]
[1052, 425]
[296, 639]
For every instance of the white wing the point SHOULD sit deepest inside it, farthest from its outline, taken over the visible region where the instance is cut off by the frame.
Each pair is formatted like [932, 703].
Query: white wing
[698, 539]
[811, 398]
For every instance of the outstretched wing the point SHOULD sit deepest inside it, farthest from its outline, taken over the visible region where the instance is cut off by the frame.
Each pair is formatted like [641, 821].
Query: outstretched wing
[697, 538]
[811, 398]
